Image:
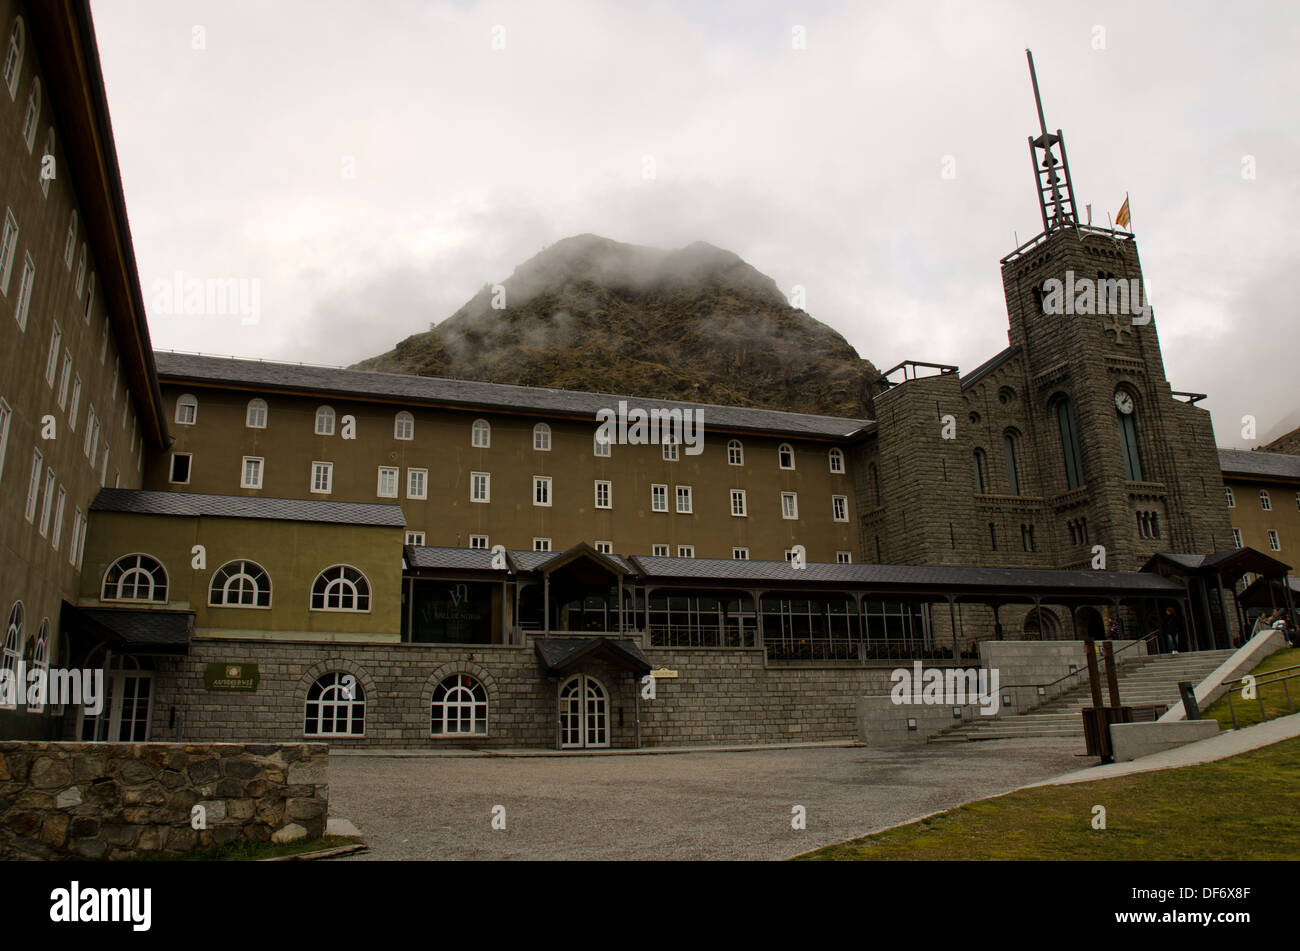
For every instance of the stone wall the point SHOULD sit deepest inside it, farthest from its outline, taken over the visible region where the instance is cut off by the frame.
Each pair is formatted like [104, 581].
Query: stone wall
[114, 800]
[1025, 665]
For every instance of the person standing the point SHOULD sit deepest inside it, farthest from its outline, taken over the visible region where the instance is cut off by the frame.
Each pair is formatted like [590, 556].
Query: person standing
[1173, 630]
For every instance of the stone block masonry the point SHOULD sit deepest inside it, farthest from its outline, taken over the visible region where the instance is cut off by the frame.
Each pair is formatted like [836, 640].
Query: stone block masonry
[116, 800]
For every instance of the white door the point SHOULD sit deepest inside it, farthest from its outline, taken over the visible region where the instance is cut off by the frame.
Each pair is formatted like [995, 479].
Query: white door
[584, 713]
[126, 709]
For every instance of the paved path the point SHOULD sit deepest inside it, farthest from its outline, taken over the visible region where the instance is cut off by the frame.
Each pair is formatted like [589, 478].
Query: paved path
[696, 805]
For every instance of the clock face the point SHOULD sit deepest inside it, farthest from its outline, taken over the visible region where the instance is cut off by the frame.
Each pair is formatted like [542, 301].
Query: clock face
[1124, 403]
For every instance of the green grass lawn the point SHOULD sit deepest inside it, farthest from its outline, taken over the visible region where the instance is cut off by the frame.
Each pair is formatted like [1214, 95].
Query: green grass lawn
[1243, 807]
[1273, 695]
[244, 851]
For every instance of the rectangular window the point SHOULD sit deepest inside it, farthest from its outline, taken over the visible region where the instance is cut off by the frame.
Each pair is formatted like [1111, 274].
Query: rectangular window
[58, 518]
[93, 432]
[415, 538]
[48, 507]
[65, 380]
[417, 483]
[659, 498]
[1227, 492]
[685, 551]
[541, 544]
[660, 551]
[52, 361]
[480, 487]
[387, 487]
[1265, 502]
[605, 548]
[252, 474]
[789, 505]
[8, 245]
[1236, 538]
[90, 298]
[1272, 541]
[25, 291]
[76, 534]
[738, 507]
[603, 494]
[34, 485]
[90, 431]
[844, 558]
[180, 474]
[670, 449]
[81, 272]
[840, 508]
[684, 500]
[601, 447]
[542, 491]
[322, 477]
[740, 554]
[81, 542]
[103, 467]
[478, 541]
[76, 401]
[6, 416]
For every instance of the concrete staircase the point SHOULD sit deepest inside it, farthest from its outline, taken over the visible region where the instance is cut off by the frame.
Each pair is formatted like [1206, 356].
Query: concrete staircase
[1152, 680]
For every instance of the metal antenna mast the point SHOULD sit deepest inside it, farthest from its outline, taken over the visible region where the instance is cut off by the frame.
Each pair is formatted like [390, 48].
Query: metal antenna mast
[1051, 169]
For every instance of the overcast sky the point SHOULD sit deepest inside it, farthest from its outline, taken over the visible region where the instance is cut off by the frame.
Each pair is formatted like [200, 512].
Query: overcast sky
[821, 166]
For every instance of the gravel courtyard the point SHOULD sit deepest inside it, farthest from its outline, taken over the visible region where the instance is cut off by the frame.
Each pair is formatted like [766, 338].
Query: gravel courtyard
[694, 805]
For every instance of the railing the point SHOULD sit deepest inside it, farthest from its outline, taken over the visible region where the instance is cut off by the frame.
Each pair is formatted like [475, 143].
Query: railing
[858, 650]
[1154, 635]
[1259, 693]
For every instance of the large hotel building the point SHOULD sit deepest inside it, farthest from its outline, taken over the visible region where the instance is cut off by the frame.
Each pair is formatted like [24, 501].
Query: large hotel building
[256, 550]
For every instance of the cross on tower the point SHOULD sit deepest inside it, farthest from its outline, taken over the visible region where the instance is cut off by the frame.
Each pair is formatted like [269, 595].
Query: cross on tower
[1051, 169]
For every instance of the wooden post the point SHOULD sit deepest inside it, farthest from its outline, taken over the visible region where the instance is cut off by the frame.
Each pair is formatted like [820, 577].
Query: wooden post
[1112, 677]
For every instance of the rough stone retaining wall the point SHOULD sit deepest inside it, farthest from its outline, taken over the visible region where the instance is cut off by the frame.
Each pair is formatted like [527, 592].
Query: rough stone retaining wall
[113, 800]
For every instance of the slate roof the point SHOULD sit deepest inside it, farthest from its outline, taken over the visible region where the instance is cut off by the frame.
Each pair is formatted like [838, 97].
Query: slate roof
[988, 366]
[145, 502]
[133, 630]
[477, 559]
[1260, 465]
[473, 395]
[559, 654]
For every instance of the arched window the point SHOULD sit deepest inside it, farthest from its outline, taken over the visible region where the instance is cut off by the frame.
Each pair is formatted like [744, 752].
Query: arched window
[1013, 463]
[325, 421]
[459, 707]
[981, 472]
[336, 706]
[257, 413]
[1126, 412]
[735, 453]
[542, 437]
[1069, 442]
[41, 660]
[135, 578]
[13, 647]
[33, 115]
[187, 410]
[481, 434]
[70, 242]
[340, 588]
[785, 455]
[14, 56]
[837, 460]
[240, 584]
[47, 156]
[404, 426]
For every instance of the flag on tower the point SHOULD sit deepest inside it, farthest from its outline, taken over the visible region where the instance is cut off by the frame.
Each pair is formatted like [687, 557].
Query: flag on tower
[1122, 219]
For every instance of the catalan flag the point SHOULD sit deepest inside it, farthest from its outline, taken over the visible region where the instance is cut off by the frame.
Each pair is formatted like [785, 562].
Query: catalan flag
[1122, 219]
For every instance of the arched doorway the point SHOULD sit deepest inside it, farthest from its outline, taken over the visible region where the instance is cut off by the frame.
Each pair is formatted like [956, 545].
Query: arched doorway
[1091, 625]
[1041, 625]
[584, 713]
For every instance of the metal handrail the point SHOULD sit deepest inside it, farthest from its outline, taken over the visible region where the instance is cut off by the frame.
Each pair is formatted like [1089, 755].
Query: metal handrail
[1259, 693]
[1084, 669]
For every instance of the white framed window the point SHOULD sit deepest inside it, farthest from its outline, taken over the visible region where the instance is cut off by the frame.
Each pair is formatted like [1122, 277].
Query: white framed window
[103, 341]
[481, 434]
[187, 410]
[14, 56]
[460, 706]
[6, 417]
[387, 486]
[1236, 538]
[1265, 502]
[738, 506]
[103, 466]
[180, 470]
[604, 494]
[70, 243]
[76, 401]
[735, 453]
[322, 477]
[32, 116]
[685, 551]
[684, 500]
[659, 498]
[541, 490]
[75, 537]
[251, 472]
[417, 483]
[49, 153]
[48, 507]
[81, 271]
[480, 487]
[81, 542]
[789, 554]
[34, 485]
[13, 652]
[52, 359]
[336, 706]
[404, 426]
[1227, 492]
[8, 246]
[844, 558]
[340, 588]
[670, 449]
[89, 303]
[256, 414]
[740, 554]
[837, 460]
[240, 584]
[479, 542]
[602, 446]
[92, 437]
[789, 505]
[840, 508]
[785, 456]
[541, 544]
[41, 657]
[65, 378]
[415, 538]
[25, 291]
[325, 421]
[659, 551]
[542, 437]
[605, 548]
[1272, 540]
[135, 577]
